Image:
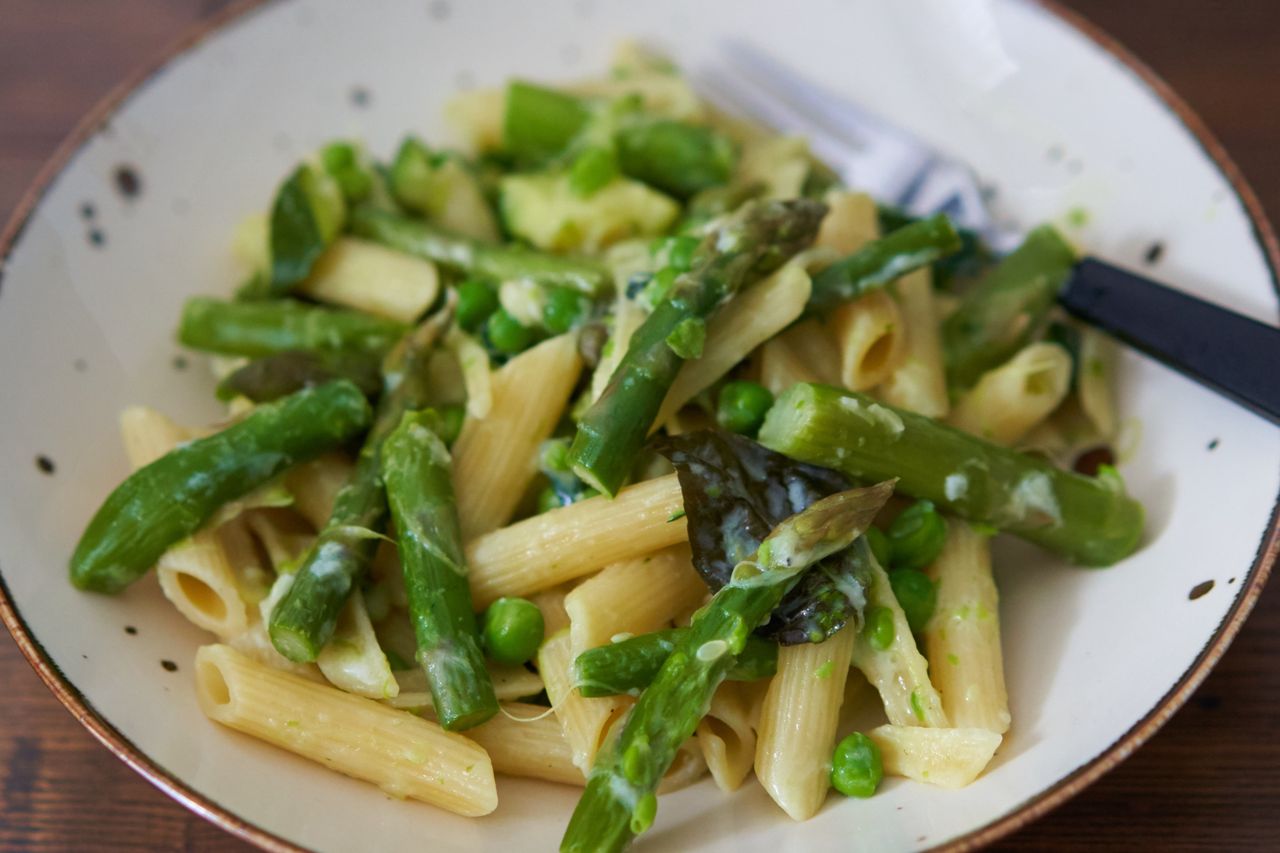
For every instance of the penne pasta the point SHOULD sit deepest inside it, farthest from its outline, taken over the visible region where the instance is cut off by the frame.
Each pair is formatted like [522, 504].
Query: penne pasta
[962, 639]
[494, 458]
[1012, 399]
[368, 276]
[476, 116]
[798, 723]
[627, 317]
[869, 335]
[948, 758]
[352, 660]
[585, 721]
[1093, 388]
[851, 221]
[727, 734]
[255, 643]
[403, 755]
[526, 740]
[919, 382]
[566, 543]
[633, 597]
[197, 576]
[899, 673]
[315, 484]
[748, 320]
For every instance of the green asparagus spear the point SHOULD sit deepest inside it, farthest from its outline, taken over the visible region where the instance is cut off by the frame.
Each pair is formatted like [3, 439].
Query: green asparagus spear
[881, 261]
[619, 801]
[304, 619]
[630, 665]
[677, 158]
[168, 500]
[750, 245]
[266, 328]
[416, 469]
[539, 123]
[307, 214]
[1008, 306]
[274, 376]
[1089, 520]
[490, 260]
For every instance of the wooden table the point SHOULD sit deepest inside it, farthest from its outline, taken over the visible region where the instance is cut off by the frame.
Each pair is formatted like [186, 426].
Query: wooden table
[1209, 780]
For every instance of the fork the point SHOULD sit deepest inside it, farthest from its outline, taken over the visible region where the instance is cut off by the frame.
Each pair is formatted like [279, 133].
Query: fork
[1225, 351]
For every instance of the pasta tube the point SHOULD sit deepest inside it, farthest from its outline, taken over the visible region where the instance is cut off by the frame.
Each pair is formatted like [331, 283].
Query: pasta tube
[369, 277]
[919, 382]
[869, 335]
[727, 734]
[949, 758]
[403, 755]
[526, 740]
[1008, 401]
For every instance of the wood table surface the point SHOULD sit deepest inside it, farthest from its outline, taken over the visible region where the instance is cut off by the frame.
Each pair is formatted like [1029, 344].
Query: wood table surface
[1210, 780]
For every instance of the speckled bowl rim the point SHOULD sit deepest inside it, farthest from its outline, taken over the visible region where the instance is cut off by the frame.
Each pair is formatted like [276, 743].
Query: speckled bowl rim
[1030, 810]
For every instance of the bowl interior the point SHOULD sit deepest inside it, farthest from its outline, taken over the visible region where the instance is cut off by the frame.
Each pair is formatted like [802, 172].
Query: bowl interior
[1059, 128]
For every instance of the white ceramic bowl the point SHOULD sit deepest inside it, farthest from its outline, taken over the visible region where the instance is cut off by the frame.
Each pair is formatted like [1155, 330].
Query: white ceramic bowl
[1056, 119]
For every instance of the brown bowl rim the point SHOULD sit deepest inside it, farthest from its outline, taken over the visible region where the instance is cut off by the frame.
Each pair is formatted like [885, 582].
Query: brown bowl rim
[1033, 808]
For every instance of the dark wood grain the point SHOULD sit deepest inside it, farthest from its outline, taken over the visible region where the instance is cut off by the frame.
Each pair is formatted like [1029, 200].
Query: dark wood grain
[1209, 781]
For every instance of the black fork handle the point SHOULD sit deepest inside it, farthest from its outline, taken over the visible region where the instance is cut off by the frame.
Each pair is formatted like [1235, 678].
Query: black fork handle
[1234, 355]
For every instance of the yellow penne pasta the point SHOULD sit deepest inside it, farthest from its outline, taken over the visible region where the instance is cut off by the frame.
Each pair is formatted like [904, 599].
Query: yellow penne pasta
[962, 639]
[494, 458]
[585, 721]
[1012, 399]
[749, 319]
[851, 221]
[798, 723]
[627, 317]
[899, 673]
[526, 740]
[369, 277]
[1097, 366]
[727, 734]
[476, 116]
[404, 755]
[570, 542]
[949, 758]
[633, 597]
[919, 382]
[315, 484]
[196, 575]
[869, 335]
[352, 660]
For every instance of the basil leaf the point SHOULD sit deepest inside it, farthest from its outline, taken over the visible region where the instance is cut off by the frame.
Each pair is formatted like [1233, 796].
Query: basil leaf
[735, 493]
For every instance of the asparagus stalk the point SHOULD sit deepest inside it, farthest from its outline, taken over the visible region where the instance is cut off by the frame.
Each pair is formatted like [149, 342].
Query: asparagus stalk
[168, 500]
[881, 261]
[678, 158]
[304, 619]
[619, 800]
[274, 376]
[748, 246]
[502, 263]
[539, 123]
[630, 665]
[257, 329]
[1089, 520]
[307, 214]
[1008, 307]
[416, 469]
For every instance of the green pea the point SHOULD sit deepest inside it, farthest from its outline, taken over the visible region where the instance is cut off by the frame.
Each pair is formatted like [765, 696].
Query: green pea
[476, 301]
[742, 406]
[564, 309]
[593, 169]
[878, 627]
[917, 595]
[916, 536]
[507, 335]
[856, 767]
[342, 162]
[512, 630]
[553, 456]
[451, 418]
[880, 547]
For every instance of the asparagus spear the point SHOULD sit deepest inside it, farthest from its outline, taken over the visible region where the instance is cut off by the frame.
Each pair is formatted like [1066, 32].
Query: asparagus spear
[881, 261]
[538, 123]
[1089, 520]
[750, 245]
[491, 260]
[303, 621]
[266, 328]
[630, 665]
[416, 469]
[619, 800]
[678, 158]
[168, 500]
[1008, 306]
[273, 376]
[307, 214]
